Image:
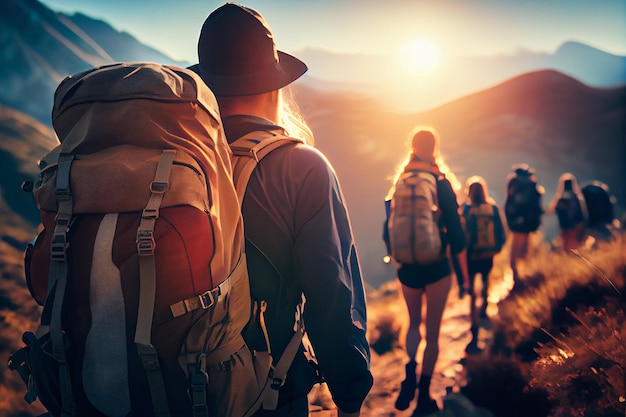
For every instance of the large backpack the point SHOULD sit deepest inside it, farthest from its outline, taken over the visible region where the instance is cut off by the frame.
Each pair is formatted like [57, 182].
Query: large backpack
[414, 233]
[139, 265]
[569, 211]
[480, 226]
[523, 207]
[600, 204]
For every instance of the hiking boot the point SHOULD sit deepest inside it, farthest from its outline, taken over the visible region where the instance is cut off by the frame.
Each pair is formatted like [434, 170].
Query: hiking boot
[425, 407]
[407, 387]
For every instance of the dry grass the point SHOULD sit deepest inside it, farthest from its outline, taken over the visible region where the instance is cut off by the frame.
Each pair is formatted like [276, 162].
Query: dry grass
[559, 362]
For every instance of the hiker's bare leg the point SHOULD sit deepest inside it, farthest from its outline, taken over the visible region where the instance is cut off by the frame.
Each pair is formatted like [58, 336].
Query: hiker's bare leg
[413, 299]
[436, 297]
[519, 251]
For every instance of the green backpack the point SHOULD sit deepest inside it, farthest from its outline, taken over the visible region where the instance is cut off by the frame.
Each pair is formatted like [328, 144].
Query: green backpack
[482, 240]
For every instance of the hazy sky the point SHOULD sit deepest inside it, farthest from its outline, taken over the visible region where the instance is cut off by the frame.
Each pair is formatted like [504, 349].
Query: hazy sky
[454, 27]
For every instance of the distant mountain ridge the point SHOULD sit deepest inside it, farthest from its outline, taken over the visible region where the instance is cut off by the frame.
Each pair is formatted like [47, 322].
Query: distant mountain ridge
[456, 76]
[121, 46]
[39, 47]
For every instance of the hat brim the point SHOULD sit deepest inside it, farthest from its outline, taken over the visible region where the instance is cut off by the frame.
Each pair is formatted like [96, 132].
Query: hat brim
[284, 72]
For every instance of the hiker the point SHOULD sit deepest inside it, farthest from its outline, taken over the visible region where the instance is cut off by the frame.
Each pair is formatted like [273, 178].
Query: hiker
[485, 238]
[569, 206]
[299, 241]
[602, 226]
[423, 273]
[523, 211]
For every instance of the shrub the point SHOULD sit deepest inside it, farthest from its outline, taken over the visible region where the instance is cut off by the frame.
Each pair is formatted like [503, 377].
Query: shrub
[584, 371]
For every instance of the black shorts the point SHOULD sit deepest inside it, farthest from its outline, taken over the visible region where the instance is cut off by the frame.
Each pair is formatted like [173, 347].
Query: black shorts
[418, 276]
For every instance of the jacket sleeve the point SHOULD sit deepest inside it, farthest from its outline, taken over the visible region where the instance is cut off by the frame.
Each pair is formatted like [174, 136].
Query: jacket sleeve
[450, 213]
[328, 266]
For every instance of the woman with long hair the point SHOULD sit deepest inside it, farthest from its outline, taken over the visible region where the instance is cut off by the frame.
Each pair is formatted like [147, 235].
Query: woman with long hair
[485, 238]
[299, 241]
[431, 280]
[569, 206]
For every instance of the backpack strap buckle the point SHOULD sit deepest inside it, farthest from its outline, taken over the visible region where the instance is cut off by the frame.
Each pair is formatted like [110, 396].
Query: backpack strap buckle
[158, 187]
[207, 299]
[277, 383]
[145, 242]
[58, 247]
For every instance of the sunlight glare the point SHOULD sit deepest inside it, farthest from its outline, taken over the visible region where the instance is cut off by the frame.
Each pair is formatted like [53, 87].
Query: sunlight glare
[420, 56]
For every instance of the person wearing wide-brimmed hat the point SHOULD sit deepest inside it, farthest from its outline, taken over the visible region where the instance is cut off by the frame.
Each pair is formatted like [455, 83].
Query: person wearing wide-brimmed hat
[298, 232]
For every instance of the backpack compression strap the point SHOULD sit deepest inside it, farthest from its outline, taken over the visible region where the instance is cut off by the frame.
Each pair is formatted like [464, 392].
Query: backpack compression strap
[57, 280]
[248, 151]
[147, 284]
[279, 374]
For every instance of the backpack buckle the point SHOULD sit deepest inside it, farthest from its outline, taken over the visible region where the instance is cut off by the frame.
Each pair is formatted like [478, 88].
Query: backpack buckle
[145, 243]
[158, 187]
[58, 247]
[62, 194]
[206, 299]
[277, 383]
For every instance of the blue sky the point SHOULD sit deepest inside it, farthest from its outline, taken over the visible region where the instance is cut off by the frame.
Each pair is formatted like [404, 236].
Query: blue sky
[455, 27]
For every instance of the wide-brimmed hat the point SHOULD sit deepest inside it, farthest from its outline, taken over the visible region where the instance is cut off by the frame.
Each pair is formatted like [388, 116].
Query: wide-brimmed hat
[237, 55]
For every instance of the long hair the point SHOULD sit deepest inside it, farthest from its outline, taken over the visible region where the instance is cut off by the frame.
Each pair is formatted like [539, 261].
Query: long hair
[291, 119]
[477, 191]
[422, 143]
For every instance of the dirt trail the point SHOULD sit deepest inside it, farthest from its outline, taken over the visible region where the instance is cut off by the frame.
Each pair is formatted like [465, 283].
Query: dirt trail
[388, 369]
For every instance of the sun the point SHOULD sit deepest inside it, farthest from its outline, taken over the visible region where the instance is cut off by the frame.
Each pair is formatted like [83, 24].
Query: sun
[420, 56]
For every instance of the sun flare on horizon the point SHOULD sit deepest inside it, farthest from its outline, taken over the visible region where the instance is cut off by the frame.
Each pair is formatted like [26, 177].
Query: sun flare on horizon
[420, 56]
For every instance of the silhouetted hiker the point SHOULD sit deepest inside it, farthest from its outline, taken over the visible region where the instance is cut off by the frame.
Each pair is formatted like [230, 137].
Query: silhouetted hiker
[523, 210]
[485, 238]
[569, 206]
[299, 239]
[422, 221]
[602, 226]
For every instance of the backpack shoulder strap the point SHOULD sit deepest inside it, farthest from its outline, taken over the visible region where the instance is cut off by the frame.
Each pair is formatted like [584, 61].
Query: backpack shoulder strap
[248, 152]
[421, 166]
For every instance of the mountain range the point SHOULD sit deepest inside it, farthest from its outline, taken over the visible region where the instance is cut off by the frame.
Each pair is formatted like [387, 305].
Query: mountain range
[39, 47]
[549, 118]
[457, 76]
